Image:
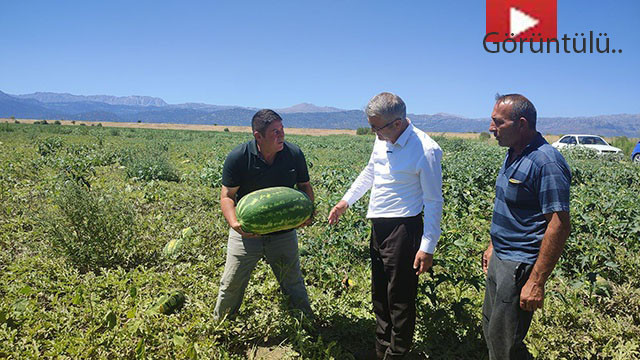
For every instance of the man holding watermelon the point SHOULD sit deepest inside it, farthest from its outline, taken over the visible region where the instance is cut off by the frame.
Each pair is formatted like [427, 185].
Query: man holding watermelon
[405, 177]
[264, 162]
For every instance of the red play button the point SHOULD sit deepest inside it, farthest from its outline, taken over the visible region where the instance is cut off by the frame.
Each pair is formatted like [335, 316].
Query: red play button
[522, 19]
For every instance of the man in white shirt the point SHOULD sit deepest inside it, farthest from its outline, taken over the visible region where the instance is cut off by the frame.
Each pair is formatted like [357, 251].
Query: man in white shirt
[405, 178]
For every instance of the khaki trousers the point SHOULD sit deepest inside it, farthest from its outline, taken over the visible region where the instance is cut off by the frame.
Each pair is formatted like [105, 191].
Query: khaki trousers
[280, 252]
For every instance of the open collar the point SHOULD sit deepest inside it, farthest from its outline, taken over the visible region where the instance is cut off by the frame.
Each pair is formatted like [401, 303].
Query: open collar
[253, 149]
[535, 143]
[404, 137]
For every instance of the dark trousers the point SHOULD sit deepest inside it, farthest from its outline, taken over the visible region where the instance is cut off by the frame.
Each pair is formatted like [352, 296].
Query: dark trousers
[505, 324]
[393, 247]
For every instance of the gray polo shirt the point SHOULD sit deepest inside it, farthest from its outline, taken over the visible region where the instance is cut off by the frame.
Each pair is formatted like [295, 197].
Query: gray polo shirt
[534, 184]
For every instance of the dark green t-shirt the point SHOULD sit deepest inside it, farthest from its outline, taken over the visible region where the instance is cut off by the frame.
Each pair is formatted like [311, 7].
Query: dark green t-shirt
[244, 167]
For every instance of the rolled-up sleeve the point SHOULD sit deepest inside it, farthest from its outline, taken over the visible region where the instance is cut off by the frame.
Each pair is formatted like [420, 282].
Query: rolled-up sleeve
[430, 170]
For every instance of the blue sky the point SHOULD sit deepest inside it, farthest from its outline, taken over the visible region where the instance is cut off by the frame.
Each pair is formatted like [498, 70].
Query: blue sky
[330, 53]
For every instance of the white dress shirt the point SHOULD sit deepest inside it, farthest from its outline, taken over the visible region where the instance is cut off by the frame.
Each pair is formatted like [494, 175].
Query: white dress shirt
[404, 178]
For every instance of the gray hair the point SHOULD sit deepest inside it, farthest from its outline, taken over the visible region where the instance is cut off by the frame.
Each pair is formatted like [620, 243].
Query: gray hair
[388, 106]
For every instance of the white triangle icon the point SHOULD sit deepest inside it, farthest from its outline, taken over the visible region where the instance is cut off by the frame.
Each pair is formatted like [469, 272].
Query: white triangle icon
[520, 22]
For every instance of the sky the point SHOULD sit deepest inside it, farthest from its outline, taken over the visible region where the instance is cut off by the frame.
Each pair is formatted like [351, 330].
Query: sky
[329, 53]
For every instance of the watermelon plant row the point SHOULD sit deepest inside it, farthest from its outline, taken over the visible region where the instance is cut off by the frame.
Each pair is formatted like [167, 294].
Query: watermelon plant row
[93, 231]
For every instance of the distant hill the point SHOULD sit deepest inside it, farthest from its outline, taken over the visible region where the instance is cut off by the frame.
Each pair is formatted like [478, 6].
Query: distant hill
[49, 97]
[308, 108]
[12, 106]
[47, 105]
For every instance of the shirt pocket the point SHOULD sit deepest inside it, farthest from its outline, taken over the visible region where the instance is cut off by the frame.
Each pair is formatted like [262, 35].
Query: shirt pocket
[516, 189]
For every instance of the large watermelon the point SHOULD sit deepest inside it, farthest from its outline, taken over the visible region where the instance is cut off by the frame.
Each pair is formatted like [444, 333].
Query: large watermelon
[273, 209]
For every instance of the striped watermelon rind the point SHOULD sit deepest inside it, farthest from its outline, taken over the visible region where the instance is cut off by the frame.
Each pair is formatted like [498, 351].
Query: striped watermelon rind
[187, 232]
[168, 304]
[172, 247]
[273, 209]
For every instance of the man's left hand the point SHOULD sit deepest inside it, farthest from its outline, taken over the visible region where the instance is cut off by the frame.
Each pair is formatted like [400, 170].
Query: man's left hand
[423, 262]
[531, 296]
[309, 220]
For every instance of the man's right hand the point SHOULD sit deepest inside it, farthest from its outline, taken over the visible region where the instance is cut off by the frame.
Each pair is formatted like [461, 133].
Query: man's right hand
[337, 211]
[228, 206]
[244, 234]
[486, 257]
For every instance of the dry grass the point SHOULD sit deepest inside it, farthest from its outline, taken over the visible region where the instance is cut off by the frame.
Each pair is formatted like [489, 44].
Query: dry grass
[292, 131]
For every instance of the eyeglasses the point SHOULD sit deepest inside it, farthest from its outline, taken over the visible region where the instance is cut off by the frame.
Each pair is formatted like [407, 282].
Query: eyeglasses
[378, 129]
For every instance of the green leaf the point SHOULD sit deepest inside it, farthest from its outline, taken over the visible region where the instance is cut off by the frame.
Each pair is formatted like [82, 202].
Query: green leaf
[178, 341]
[77, 298]
[110, 320]
[192, 353]
[611, 264]
[136, 325]
[131, 313]
[459, 242]
[140, 349]
[27, 290]
[577, 284]
[21, 305]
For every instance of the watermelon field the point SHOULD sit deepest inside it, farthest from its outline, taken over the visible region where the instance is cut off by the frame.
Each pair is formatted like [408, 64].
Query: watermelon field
[87, 212]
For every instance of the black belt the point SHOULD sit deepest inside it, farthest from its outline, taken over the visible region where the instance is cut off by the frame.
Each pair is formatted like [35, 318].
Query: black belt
[397, 219]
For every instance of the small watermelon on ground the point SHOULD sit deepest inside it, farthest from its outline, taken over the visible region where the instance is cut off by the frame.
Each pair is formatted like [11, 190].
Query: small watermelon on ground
[187, 232]
[172, 247]
[273, 209]
[169, 303]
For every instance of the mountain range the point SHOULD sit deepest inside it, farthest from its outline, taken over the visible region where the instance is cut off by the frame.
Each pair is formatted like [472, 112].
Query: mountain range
[48, 105]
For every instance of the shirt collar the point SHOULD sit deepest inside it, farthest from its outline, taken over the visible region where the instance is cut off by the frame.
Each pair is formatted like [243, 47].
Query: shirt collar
[253, 147]
[535, 143]
[404, 137]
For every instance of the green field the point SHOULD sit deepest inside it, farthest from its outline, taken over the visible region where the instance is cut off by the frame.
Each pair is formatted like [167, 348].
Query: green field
[86, 211]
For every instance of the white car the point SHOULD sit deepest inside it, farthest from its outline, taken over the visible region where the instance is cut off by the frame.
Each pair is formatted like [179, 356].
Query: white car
[589, 141]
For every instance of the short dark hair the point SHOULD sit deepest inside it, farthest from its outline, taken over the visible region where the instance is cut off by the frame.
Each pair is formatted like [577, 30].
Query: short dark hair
[262, 119]
[521, 107]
